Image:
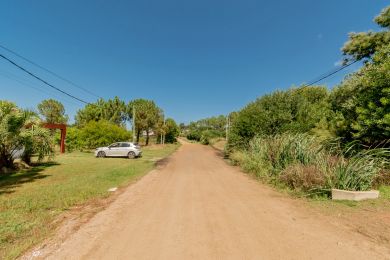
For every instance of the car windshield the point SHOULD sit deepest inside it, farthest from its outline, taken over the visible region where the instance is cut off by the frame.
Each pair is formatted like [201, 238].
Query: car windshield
[114, 145]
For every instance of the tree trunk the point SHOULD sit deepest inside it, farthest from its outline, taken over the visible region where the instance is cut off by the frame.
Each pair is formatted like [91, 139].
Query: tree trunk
[138, 134]
[26, 158]
[6, 161]
[147, 137]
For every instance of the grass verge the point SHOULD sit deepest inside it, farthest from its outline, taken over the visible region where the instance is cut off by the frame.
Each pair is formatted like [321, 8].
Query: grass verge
[218, 143]
[32, 199]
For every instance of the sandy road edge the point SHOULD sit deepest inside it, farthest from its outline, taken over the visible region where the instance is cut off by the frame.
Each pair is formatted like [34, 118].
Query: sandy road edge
[73, 219]
[350, 220]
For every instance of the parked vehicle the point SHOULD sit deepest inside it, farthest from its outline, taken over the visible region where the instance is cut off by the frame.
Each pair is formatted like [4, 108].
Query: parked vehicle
[120, 149]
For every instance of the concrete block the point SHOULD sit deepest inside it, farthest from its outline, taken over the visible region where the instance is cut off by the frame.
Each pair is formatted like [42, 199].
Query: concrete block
[354, 195]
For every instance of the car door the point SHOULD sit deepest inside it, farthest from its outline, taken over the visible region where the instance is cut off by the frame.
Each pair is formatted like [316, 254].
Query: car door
[113, 149]
[124, 149]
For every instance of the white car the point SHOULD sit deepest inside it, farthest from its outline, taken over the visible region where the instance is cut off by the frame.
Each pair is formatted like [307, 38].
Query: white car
[120, 149]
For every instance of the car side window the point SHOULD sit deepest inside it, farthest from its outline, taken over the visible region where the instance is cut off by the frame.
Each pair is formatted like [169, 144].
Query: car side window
[114, 145]
[125, 145]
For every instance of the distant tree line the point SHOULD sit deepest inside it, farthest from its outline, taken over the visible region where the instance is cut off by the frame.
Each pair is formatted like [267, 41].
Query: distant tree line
[205, 129]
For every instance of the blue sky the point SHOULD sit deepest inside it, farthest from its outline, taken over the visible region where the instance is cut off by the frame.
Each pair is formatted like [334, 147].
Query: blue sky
[194, 58]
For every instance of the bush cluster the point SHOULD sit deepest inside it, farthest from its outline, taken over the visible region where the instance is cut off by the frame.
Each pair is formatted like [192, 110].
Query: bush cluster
[280, 136]
[301, 163]
[194, 136]
[205, 130]
[94, 134]
[296, 110]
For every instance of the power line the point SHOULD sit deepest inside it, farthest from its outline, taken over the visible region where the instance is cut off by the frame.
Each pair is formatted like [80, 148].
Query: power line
[29, 84]
[45, 82]
[49, 71]
[326, 75]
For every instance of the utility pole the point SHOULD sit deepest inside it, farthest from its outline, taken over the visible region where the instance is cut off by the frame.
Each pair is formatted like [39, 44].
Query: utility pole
[162, 135]
[164, 130]
[227, 127]
[133, 124]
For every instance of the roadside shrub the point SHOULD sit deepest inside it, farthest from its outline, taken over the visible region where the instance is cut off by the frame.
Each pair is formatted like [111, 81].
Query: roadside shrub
[300, 162]
[359, 172]
[73, 141]
[304, 178]
[296, 110]
[279, 151]
[237, 157]
[204, 139]
[208, 135]
[172, 131]
[382, 178]
[194, 136]
[102, 133]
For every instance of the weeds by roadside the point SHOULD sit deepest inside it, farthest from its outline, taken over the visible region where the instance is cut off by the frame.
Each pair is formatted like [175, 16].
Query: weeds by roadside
[303, 164]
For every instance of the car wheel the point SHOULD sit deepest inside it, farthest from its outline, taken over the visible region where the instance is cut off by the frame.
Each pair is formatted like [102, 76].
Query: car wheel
[131, 155]
[101, 154]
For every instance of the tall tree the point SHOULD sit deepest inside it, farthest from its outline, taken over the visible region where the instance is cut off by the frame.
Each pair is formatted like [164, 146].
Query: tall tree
[364, 44]
[362, 102]
[147, 115]
[172, 130]
[115, 111]
[53, 111]
[112, 110]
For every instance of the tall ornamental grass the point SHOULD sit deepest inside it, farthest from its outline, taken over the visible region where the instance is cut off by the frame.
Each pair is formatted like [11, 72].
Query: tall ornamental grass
[359, 171]
[270, 155]
[300, 162]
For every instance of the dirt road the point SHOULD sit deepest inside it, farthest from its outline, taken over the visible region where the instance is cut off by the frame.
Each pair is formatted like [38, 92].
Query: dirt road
[198, 207]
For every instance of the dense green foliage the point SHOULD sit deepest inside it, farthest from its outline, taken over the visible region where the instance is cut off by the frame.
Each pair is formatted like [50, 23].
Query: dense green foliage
[205, 129]
[21, 130]
[103, 133]
[147, 116]
[365, 44]
[300, 162]
[52, 111]
[172, 131]
[148, 119]
[280, 136]
[362, 102]
[112, 110]
[95, 134]
[295, 110]
[73, 139]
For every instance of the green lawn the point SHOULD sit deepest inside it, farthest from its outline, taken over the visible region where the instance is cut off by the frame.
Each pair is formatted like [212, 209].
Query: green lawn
[30, 200]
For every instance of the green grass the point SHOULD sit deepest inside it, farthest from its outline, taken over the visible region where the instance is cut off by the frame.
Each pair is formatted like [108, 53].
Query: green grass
[218, 143]
[31, 200]
[381, 204]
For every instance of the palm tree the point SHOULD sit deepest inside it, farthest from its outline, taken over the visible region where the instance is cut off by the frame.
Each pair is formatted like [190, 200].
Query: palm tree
[21, 129]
